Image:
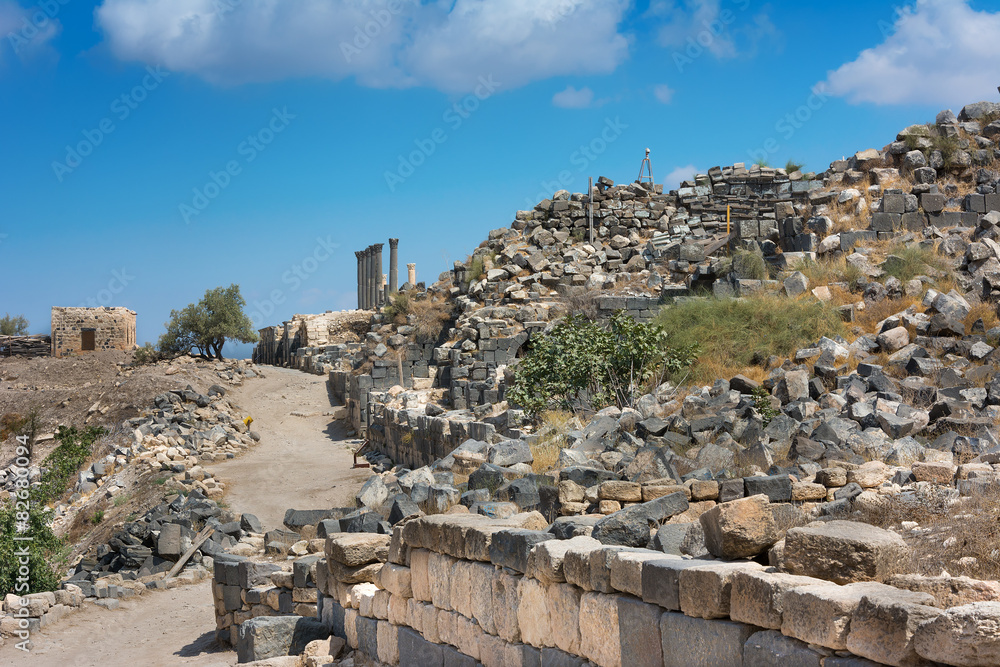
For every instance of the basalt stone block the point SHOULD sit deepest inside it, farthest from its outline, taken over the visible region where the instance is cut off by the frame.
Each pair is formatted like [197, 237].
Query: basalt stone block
[585, 476]
[415, 651]
[274, 636]
[631, 526]
[696, 642]
[255, 574]
[777, 488]
[510, 548]
[297, 519]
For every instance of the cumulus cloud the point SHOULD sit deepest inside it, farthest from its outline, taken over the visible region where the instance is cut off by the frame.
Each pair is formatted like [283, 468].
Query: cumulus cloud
[571, 98]
[443, 44]
[28, 32]
[663, 93]
[936, 52]
[673, 179]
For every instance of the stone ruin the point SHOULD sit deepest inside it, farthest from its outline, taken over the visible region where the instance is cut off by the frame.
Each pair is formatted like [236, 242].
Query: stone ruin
[80, 330]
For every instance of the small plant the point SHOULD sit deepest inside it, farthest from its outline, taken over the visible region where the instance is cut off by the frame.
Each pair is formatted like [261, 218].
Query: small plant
[791, 167]
[762, 401]
[122, 499]
[160, 481]
[762, 163]
[147, 354]
[46, 553]
[476, 270]
[98, 517]
[65, 461]
[906, 262]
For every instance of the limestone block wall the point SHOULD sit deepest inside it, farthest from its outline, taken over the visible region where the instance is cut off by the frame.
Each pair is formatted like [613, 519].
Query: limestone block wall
[110, 329]
[465, 589]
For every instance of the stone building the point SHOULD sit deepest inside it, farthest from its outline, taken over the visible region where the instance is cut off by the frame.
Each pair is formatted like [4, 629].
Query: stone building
[76, 330]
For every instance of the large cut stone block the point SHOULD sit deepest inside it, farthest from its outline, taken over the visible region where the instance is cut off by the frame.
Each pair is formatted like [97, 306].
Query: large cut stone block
[965, 636]
[415, 651]
[821, 615]
[545, 562]
[600, 641]
[505, 599]
[563, 605]
[576, 562]
[740, 528]
[883, 625]
[481, 596]
[696, 642]
[273, 636]
[661, 580]
[626, 570]
[356, 549]
[705, 590]
[843, 552]
[439, 569]
[533, 616]
[639, 633]
[757, 598]
[419, 568]
[510, 548]
[770, 648]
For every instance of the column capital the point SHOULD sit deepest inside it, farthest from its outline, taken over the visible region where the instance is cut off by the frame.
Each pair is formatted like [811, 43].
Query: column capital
[393, 244]
[377, 247]
[359, 254]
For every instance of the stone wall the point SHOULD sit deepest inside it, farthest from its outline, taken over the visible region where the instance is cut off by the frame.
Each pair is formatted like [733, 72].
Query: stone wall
[113, 329]
[462, 590]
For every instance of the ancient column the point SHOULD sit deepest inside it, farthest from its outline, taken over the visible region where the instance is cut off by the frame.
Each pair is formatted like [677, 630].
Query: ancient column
[385, 289]
[376, 274]
[368, 278]
[393, 266]
[361, 268]
[288, 344]
[411, 274]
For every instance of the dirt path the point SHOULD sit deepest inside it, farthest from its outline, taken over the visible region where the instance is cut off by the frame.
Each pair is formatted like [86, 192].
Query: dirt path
[300, 462]
[162, 628]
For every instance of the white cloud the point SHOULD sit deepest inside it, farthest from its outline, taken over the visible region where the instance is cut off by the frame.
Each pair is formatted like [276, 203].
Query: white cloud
[571, 98]
[28, 32]
[674, 178]
[444, 44]
[939, 52]
[663, 93]
[692, 27]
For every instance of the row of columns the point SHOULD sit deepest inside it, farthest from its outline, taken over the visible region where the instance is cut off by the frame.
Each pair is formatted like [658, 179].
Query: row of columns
[374, 287]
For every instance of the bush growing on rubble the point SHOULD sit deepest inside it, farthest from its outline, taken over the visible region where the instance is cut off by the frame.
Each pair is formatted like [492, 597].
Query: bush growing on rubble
[583, 366]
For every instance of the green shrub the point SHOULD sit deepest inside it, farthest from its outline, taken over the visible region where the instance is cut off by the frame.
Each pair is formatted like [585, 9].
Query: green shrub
[745, 265]
[46, 553]
[762, 401]
[792, 166]
[98, 517]
[732, 332]
[398, 307]
[65, 461]
[582, 365]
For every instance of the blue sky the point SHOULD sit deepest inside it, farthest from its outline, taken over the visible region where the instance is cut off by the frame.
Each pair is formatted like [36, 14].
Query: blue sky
[156, 148]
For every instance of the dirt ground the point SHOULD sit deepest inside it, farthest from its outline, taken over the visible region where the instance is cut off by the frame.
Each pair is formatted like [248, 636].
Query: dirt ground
[64, 390]
[301, 462]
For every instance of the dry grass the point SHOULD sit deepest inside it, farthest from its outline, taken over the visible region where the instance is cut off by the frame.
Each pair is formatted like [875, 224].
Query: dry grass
[828, 270]
[986, 312]
[428, 314]
[552, 430]
[874, 313]
[964, 536]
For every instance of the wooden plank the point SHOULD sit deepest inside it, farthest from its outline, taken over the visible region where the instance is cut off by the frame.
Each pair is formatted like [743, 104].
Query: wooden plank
[199, 539]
